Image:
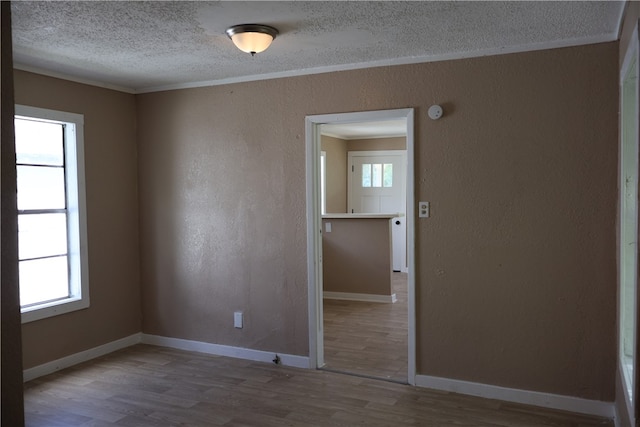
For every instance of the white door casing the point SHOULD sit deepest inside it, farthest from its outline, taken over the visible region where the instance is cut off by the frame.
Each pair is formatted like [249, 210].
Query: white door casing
[314, 227]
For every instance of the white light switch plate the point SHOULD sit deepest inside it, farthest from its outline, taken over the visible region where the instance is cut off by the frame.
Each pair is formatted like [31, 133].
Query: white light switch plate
[327, 227]
[423, 209]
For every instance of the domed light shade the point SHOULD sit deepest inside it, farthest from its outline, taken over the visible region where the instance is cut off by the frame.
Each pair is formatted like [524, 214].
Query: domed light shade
[252, 38]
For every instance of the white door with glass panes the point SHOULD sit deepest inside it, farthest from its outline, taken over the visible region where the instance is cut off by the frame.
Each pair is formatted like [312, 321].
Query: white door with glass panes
[377, 183]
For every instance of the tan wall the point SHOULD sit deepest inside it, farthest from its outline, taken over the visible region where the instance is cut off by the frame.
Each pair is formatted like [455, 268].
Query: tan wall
[12, 403]
[377, 144]
[356, 256]
[515, 268]
[336, 184]
[112, 219]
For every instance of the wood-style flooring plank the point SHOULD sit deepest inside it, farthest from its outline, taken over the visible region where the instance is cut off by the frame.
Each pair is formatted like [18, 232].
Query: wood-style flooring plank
[366, 338]
[154, 386]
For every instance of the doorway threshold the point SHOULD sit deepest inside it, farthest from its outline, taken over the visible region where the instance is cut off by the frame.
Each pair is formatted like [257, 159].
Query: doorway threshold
[369, 377]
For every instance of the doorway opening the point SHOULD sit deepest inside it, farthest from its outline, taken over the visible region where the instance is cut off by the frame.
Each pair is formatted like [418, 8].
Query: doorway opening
[353, 310]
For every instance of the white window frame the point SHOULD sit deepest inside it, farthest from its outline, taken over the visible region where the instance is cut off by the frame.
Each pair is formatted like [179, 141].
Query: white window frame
[628, 225]
[76, 214]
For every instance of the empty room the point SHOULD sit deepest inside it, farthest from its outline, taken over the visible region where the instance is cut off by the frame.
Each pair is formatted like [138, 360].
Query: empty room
[319, 213]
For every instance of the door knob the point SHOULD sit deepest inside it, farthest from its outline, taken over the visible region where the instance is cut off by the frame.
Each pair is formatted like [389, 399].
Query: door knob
[397, 222]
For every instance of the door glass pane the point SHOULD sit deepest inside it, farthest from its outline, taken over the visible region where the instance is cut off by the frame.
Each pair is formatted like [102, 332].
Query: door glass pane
[43, 280]
[387, 175]
[39, 143]
[366, 175]
[376, 175]
[40, 187]
[42, 235]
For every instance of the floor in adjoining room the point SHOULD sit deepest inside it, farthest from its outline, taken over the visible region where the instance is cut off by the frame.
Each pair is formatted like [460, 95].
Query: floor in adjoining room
[154, 386]
[367, 338]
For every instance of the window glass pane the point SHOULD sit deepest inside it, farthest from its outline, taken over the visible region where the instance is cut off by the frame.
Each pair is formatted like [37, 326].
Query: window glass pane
[387, 172]
[628, 267]
[43, 280]
[40, 187]
[376, 175]
[42, 235]
[39, 143]
[366, 175]
[323, 183]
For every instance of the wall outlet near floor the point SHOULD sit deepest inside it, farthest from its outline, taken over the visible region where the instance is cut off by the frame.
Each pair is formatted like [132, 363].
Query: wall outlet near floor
[237, 319]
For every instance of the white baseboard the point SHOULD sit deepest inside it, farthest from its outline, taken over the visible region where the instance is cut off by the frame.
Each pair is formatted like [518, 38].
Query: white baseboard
[567, 403]
[202, 347]
[225, 350]
[555, 401]
[360, 297]
[76, 358]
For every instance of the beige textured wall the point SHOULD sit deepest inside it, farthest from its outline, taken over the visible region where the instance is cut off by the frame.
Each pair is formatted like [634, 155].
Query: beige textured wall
[336, 181]
[516, 278]
[112, 219]
[377, 144]
[356, 256]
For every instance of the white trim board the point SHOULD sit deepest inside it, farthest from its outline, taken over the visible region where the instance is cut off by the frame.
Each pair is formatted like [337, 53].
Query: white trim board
[348, 296]
[333, 68]
[77, 358]
[71, 78]
[388, 62]
[567, 403]
[201, 347]
[314, 226]
[226, 350]
[546, 400]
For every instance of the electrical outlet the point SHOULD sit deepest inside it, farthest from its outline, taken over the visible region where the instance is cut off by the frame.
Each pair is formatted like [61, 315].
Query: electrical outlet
[423, 209]
[237, 319]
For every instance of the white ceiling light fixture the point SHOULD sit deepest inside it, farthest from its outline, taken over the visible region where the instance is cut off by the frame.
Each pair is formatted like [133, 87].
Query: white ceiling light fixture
[252, 38]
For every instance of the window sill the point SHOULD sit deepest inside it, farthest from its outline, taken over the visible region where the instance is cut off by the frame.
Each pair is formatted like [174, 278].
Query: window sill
[52, 309]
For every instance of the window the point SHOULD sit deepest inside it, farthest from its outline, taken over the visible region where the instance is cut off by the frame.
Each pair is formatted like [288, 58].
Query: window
[52, 237]
[377, 175]
[628, 237]
[323, 182]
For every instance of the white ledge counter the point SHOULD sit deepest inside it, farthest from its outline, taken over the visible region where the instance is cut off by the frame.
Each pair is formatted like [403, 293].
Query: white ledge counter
[356, 257]
[359, 216]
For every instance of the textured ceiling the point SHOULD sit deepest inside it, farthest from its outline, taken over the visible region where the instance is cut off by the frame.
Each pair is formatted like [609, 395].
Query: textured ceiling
[365, 130]
[146, 46]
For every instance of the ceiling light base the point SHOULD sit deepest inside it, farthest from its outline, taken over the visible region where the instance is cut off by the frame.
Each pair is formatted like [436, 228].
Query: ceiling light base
[252, 38]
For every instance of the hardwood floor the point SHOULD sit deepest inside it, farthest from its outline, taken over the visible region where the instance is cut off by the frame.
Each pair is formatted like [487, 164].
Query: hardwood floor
[368, 339]
[154, 386]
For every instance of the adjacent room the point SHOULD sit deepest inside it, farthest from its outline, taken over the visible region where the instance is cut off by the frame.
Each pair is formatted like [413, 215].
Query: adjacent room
[319, 213]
